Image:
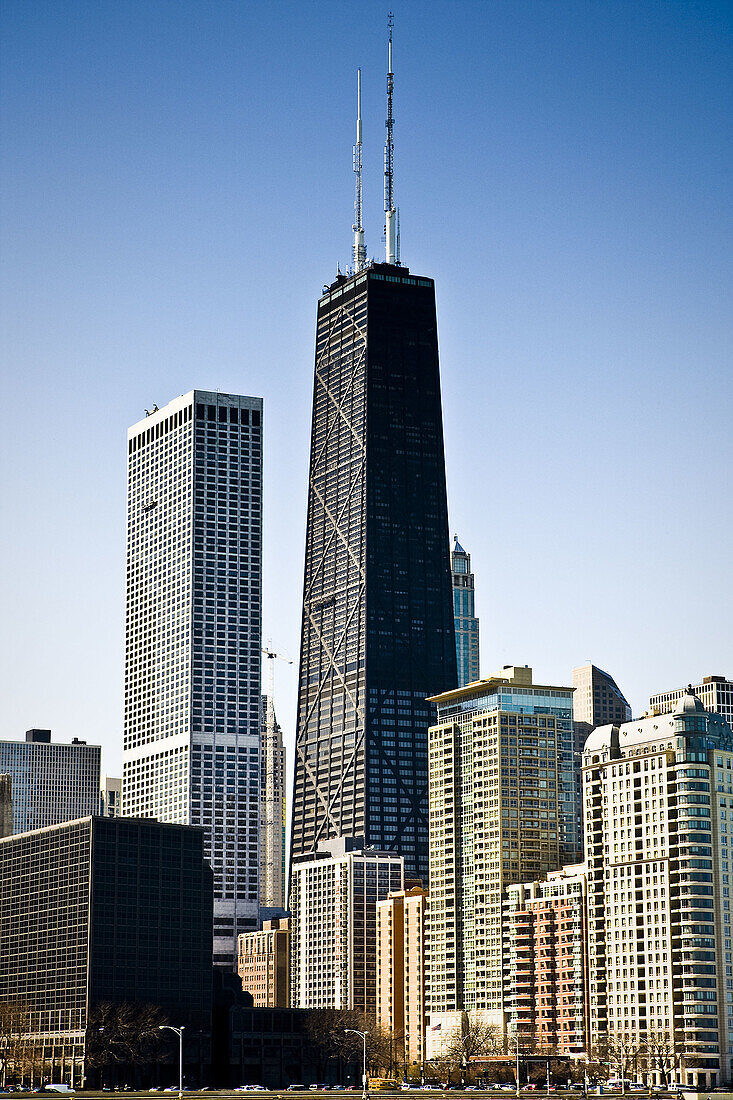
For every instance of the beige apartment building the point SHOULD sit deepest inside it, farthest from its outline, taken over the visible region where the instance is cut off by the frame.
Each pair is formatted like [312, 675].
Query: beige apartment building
[263, 964]
[500, 760]
[401, 973]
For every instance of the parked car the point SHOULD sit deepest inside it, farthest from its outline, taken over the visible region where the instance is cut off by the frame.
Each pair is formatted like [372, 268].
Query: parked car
[295, 1088]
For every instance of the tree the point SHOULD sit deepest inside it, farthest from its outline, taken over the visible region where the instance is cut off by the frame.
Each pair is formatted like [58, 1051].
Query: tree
[124, 1035]
[14, 1028]
[472, 1038]
[326, 1029]
[624, 1049]
[663, 1053]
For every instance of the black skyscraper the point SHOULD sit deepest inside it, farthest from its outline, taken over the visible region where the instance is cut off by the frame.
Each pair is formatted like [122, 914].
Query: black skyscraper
[378, 626]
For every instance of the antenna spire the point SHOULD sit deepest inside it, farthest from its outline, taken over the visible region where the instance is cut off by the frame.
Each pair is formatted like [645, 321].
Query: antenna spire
[359, 246]
[391, 218]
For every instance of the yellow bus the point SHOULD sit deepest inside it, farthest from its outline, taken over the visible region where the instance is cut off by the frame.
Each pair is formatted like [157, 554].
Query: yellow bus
[383, 1084]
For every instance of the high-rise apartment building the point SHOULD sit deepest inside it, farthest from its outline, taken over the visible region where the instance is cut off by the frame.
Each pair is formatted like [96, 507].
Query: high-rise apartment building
[500, 772]
[110, 797]
[6, 805]
[333, 930]
[102, 912]
[467, 637]
[401, 973]
[545, 948]
[51, 782]
[193, 637]
[597, 699]
[714, 692]
[263, 964]
[658, 810]
[377, 629]
[272, 809]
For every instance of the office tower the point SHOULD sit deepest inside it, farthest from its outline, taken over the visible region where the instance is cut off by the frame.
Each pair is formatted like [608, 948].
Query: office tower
[658, 802]
[192, 652]
[401, 974]
[263, 964]
[377, 633]
[98, 912]
[545, 946]
[496, 817]
[272, 809]
[6, 805]
[50, 783]
[466, 623]
[714, 692]
[110, 797]
[597, 699]
[333, 929]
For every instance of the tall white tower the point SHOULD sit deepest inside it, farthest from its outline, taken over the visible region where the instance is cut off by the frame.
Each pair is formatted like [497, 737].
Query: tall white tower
[191, 752]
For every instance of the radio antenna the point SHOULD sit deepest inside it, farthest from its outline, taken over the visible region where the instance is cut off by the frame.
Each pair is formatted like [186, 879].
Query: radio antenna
[359, 246]
[390, 226]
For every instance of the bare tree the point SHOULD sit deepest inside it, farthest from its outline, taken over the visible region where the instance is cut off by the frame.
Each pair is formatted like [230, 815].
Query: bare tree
[14, 1027]
[624, 1050]
[326, 1029]
[663, 1052]
[472, 1038]
[124, 1035]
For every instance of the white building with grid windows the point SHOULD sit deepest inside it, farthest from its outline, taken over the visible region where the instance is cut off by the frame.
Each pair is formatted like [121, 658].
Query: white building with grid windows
[51, 783]
[333, 926]
[191, 751]
[714, 692]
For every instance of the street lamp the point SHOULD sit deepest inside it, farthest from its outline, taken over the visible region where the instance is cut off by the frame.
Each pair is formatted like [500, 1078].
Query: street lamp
[179, 1032]
[516, 1040]
[353, 1031]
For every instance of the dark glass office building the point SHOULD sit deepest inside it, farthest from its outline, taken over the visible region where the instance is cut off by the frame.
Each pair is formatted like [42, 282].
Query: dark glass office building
[103, 912]
[378, 631]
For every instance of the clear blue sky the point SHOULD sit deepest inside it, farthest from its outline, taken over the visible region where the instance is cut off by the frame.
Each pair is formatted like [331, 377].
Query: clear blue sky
[177, 187]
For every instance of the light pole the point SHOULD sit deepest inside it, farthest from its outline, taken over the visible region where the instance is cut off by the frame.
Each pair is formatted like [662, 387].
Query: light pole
[516, 1040]
[179, 1032]
[353, 1031]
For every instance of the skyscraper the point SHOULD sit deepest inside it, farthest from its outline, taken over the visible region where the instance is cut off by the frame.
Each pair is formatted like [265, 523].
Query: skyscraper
[377, 629]
[597, 699]
[272, 809]
[499, 775]
[658, 802]
[467, 646]
[193, 637]
[51, 782]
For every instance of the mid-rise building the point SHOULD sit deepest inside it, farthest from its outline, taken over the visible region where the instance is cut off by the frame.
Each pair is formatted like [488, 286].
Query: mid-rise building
[191, 752]
[401, 973]
[272, 809]
[333, 901]
[100, 912]
[658, 810]
[714, 692]
[51, 782]
[464, 613]
[6, 805]
[501, 794]
[546, 963]
[263, 964]
[110, 797]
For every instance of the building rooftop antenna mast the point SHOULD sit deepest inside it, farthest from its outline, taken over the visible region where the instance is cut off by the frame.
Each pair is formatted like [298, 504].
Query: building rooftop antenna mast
[359, 246]
[391, 216]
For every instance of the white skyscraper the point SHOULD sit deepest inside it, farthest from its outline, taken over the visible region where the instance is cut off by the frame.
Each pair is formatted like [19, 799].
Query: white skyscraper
[193, 637]
[272, 810]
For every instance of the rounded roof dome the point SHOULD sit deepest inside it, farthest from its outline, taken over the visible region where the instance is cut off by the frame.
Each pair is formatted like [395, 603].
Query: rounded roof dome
[689, 703]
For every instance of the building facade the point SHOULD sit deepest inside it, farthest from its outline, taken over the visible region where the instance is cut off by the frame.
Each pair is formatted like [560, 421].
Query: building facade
[545, 949]
[464, 613]
[110, 797]
[6, 805]
[597, 699]
[658, 807]
[714, 692]
[51, 783]
[263, 964]
[378, 632]
[102, 911]
[496, 817]
[333, 902]
[191, 751]
[401, 974]
[272, 810]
